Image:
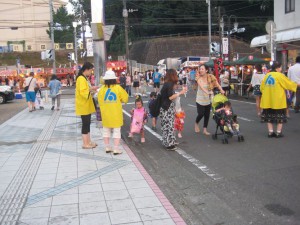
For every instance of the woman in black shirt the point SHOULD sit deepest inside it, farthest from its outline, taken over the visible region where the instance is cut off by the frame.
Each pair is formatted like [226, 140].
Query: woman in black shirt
[167, 111]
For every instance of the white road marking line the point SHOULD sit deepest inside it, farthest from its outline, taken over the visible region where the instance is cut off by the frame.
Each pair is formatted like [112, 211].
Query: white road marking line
[251, 103]
[185, 155]
[192, 105]
[245, 119]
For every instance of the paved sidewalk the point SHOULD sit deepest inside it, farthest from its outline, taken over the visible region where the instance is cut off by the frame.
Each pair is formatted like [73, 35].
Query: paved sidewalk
[47, 178]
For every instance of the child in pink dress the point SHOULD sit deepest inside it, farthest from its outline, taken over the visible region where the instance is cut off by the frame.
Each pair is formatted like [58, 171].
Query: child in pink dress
[138, 119]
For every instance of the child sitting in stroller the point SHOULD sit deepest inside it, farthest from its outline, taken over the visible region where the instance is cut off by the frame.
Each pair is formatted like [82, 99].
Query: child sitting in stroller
[225, 119]
[228, 119]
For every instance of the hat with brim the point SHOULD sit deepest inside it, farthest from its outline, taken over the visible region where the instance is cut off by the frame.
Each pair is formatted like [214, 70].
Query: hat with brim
[109, 75]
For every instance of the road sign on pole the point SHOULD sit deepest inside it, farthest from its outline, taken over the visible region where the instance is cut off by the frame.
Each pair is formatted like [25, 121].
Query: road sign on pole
[225, 45]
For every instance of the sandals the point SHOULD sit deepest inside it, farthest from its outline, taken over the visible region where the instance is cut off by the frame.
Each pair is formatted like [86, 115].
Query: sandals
[206, 133]
[87, 147]
[93, 144]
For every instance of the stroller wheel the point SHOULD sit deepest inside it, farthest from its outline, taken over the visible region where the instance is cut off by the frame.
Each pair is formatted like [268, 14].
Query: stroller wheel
[242, 138]
[225, 141]
[239, 138]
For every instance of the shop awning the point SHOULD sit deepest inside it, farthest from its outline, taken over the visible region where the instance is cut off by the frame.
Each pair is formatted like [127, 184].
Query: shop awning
[281, 37]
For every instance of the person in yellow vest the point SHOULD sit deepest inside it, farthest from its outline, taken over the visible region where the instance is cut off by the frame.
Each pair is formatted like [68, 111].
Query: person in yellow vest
[84, 105]
[273, 101]
[110, 97]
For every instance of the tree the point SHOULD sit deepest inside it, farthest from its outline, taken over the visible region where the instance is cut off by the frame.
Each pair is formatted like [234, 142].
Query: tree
[63, 29]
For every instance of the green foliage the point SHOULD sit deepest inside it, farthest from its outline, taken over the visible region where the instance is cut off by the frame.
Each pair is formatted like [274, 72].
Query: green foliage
[159, 17]
[63, 28]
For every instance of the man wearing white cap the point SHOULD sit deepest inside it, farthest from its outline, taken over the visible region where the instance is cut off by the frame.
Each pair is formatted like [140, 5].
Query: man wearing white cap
[110, 98]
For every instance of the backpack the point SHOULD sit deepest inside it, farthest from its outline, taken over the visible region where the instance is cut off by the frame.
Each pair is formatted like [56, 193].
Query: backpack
[154, 106]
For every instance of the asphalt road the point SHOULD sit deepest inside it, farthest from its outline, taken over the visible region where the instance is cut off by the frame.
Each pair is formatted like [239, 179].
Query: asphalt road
[252, 182]
[210, 183]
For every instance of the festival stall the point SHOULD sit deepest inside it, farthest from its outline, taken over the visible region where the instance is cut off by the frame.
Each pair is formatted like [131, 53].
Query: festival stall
[117, 66]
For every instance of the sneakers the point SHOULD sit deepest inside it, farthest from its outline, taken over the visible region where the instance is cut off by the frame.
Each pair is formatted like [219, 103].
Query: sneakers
[279, 135]
[271, 135]
[108, 149]
[52, 108]
[179, 135]
[117, 152]
[143, 140]
[171, 148]
[130, 135]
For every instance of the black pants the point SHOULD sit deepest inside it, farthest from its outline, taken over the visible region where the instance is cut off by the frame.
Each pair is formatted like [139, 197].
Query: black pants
[86, 123]
[203, 110]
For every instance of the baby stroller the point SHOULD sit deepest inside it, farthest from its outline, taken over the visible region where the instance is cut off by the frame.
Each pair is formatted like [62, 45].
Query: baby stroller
[225, 120]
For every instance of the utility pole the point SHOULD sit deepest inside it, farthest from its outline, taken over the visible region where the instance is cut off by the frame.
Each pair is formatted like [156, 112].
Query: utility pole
[83, 32]
[52, 36]
[99, 50]
[209, 27]
[125, 15]
[220, 32]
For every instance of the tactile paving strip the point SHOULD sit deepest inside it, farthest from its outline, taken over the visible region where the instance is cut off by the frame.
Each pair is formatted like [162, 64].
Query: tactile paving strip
[14, 198]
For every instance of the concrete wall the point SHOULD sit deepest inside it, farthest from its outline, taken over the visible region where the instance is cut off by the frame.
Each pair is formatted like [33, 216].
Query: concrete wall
[284, 20]
[31, 17]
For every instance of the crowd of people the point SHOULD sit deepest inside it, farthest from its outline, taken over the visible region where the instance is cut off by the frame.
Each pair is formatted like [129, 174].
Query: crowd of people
[272, 91]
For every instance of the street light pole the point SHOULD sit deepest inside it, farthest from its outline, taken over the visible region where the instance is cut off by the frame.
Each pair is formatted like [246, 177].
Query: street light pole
[125, 15]
[209, 27]
[75, 44]
[52, 36]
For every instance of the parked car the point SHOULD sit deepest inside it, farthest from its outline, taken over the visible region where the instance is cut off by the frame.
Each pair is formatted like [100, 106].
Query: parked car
[6, 94]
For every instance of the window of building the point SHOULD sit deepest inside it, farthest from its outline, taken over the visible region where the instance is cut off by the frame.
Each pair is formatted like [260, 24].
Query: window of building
[43, 47]
[289, 6]
[29, 48]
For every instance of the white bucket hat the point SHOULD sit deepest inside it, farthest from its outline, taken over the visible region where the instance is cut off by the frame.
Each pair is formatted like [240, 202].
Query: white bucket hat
[109, 75]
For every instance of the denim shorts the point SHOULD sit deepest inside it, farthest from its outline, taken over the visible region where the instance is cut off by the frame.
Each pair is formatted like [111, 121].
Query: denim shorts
[30, 96]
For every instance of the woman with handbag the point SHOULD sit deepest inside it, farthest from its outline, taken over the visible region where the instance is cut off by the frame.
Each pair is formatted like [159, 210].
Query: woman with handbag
[167, 110]
[84, 105]
[55, 87]
[206, 83]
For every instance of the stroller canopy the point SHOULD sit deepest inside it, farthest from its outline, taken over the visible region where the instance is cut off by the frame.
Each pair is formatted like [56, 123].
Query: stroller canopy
[217, 99]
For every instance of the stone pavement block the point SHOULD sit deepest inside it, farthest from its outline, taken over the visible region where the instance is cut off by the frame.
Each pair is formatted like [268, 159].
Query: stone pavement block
[90, 188]
[64, 210]
[113, 186]
[132, 176]
[116, 195]
[160, 222]
[65, 199]
[41, 221]
[43, 184]
[155, 213]
[120, 204]
[124, 216]
[35, 213]
[111, 177]
[147, 202]
[43, 203]
[91, 197]
[141, 192]
[72, 191]
[97, 218]
[64, 220]
[92, 207]
[136, 184]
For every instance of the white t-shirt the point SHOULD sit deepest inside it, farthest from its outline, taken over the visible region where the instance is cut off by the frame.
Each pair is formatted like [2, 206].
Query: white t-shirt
[294, 73]
[222, 78]
[257, 79]
[32, 84]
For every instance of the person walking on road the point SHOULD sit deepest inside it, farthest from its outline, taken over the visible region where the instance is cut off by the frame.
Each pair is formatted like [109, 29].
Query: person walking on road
[273, 101]
[167, 111]
[256, 80]
[110, 98]
[31, 83]
[156, 80]
[294, 75]
[84, 105]
[206, 84]
[55, 87]
[128, 84]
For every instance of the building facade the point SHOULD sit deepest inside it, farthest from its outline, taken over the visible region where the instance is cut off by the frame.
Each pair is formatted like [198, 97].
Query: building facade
[287, 39]
[23, 24]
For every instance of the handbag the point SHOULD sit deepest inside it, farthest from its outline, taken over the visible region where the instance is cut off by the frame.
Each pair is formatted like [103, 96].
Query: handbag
[27, 87]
